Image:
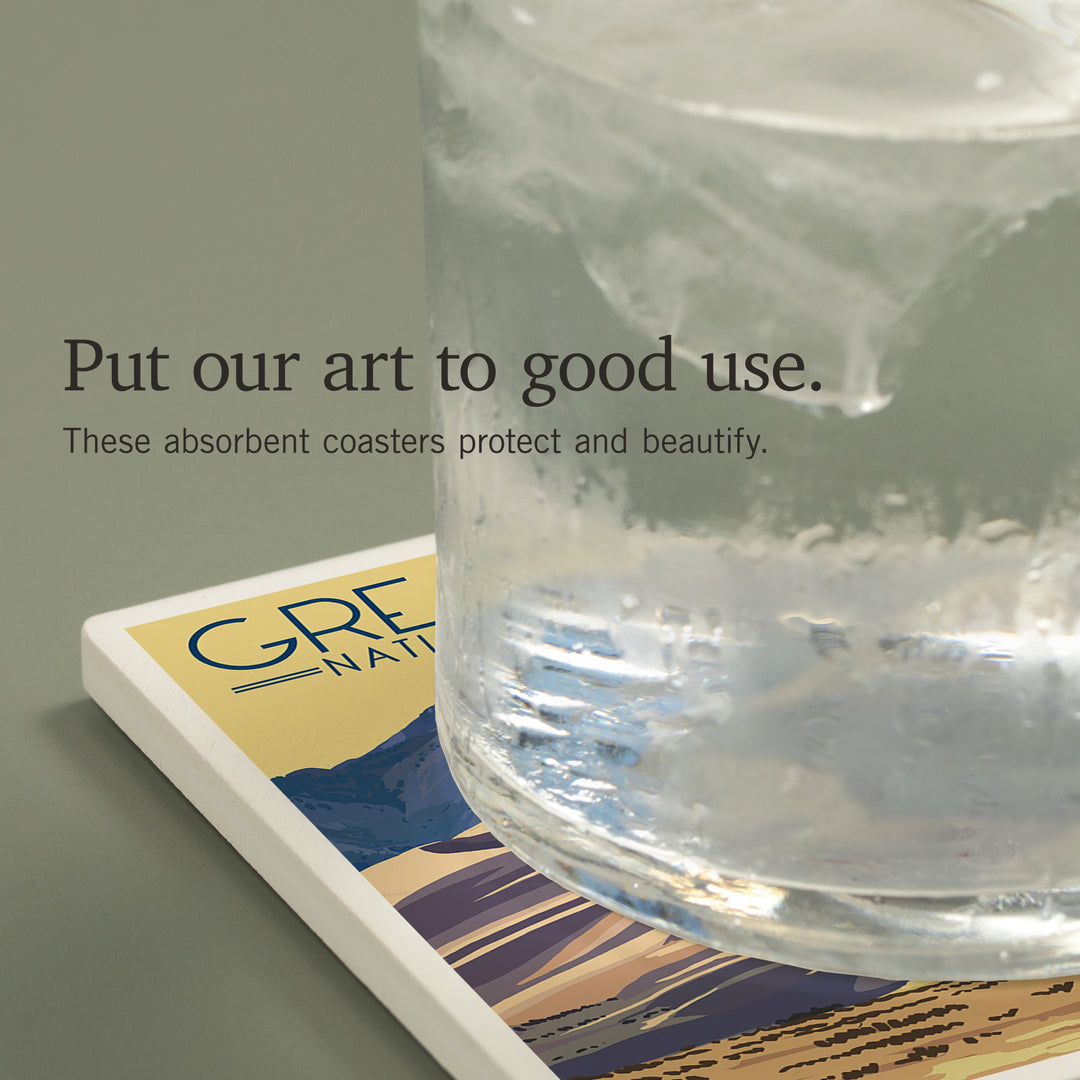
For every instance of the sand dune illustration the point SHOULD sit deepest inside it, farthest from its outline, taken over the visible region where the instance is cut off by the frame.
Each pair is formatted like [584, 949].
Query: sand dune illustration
[597, 995]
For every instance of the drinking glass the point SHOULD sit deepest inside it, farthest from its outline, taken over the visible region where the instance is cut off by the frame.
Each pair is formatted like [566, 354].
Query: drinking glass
[758, 517]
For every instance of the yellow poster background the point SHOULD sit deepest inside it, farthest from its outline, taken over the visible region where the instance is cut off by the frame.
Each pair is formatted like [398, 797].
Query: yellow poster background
[338, 711]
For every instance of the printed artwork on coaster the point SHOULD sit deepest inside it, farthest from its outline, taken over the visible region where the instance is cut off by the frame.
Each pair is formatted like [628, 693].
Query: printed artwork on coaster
[313, 675]
[328, 688]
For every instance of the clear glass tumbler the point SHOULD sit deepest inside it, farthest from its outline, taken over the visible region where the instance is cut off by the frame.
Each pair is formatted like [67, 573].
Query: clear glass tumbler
[759, 534]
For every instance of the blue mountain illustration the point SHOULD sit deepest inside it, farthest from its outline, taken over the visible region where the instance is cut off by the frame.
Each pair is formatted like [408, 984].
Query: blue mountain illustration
[394, 798]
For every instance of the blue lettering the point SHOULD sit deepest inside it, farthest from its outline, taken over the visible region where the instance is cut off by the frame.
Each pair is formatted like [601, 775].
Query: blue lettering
[388, 617]
[288, 644]
[346, 661]
[314, 635]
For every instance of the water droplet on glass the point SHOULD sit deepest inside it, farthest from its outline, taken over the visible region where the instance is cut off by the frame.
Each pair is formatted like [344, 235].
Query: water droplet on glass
[998, 529]
[807, 538]
[521, 15]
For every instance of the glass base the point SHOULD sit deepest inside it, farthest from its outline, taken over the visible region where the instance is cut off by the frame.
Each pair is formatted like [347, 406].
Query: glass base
[1022, 935]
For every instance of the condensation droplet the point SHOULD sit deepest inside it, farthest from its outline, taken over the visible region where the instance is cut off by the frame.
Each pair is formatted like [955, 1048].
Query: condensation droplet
[526, 18]
[807, 538]
[998, 529]
[864, 551]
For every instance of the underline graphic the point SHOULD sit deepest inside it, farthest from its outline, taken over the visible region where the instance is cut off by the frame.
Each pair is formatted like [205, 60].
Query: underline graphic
[277, 679]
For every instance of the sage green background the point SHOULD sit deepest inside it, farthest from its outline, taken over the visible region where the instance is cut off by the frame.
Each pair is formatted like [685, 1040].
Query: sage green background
[209, 176]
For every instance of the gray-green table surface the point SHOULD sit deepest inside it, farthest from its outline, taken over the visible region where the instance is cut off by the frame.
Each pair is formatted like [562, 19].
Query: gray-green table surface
[201, 177]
